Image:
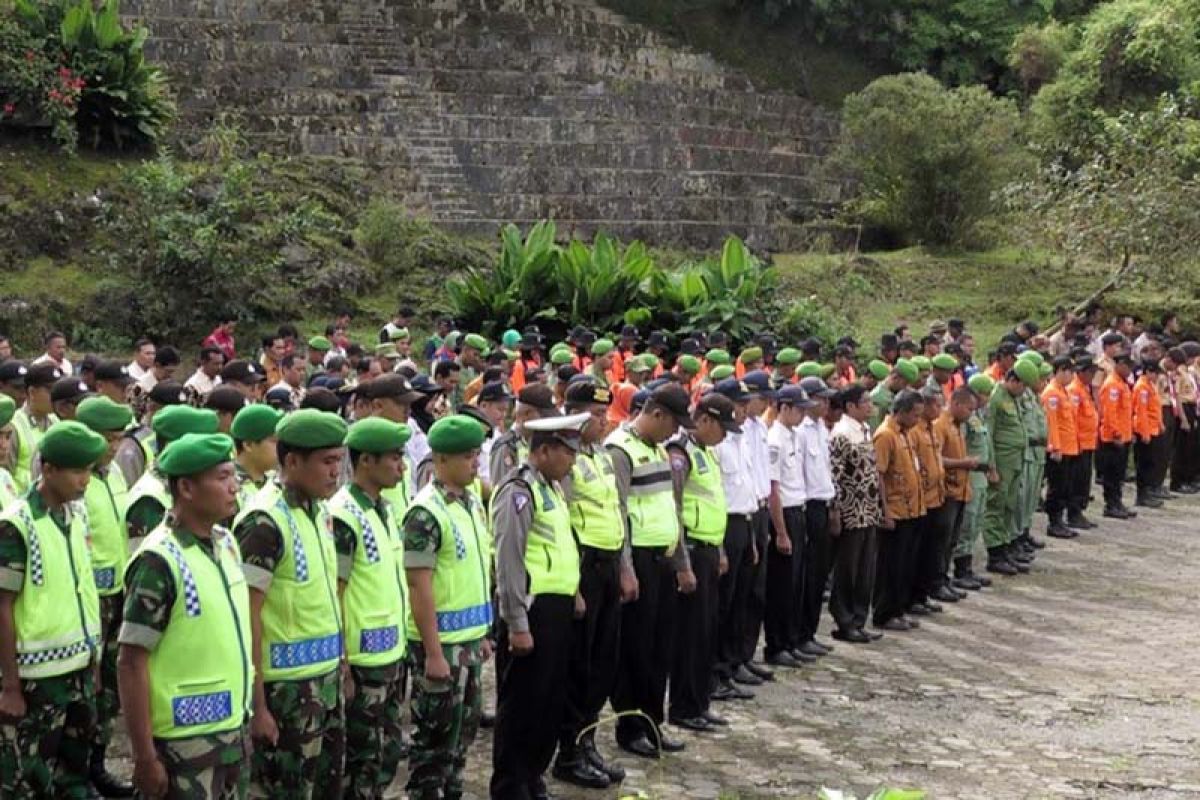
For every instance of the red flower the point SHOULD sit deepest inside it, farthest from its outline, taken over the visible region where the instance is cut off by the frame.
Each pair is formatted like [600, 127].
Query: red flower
[63, 72]
[9, 109]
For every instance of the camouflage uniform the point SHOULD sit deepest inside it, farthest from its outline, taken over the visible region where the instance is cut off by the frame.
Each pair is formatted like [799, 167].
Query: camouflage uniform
[108, 703]
[445, 714]
[374, 727]
[143, 517]
[45, 753]
[309, 758]
[207, 767]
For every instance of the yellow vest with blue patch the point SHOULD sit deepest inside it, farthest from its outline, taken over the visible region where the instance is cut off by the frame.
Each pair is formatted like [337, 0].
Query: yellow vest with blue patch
[105, 502]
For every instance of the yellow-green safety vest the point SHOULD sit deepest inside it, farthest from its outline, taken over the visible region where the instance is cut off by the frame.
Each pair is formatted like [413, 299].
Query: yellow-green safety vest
[595, 505]
[57, 612]
[150, 485]
[462, 574]
[26, 436]
[704, 505]
[551, 556]
[105, 501]
[201, 670]
[374, 602]
[301, 621]
[9, 493]
[653, 519]
[400, 495]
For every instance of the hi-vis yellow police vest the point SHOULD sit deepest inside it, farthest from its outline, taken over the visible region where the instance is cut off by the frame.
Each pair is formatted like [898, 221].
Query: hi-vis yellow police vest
[57, 613]
[9, 493]
[462, 575]
[150, 485]
[400, 495]
[653, 520]
[595, 505]
[704, 505]
[26, 436]
[551, 556]
[105, 501]
[301, 620]
[201, 671]
[374, 603]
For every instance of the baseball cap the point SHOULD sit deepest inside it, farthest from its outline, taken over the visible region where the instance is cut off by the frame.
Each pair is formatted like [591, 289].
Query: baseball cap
[392, 387]
[113, 371]
[242, 372]
[815, 387]
[168, 393]
[42, 375]
[494, 391]
[793, 395]
[539, 396]
[13, 372]
[722, 409]
[732, 388]
[674, 398]
[69, 390]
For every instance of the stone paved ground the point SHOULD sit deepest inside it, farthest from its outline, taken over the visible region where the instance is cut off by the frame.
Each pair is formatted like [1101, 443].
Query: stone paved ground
[1077, 680]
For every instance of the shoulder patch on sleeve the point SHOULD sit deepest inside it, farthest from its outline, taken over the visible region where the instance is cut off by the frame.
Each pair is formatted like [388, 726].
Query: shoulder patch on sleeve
[1114, 394]
[1052, 402]
[520, 500]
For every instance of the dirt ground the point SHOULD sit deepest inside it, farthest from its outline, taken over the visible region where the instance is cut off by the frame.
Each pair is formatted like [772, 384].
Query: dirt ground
[1078, 680]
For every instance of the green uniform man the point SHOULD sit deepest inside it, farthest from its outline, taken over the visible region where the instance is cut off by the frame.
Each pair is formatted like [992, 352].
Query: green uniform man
[187, 702]
[149, 500]
[104, 500]
[253, 433]
[1010, 441]
[1034, 417]
[446, 557]
[290, 561]
[979, 446]
[602, 360]
[905, 373]
[371, 585]
[8, 487]
[49, 625]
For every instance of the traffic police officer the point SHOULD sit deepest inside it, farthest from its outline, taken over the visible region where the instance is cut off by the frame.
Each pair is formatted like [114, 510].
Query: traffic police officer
[32, 419]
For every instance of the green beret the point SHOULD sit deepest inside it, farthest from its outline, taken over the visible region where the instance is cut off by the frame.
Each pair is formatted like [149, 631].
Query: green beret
[602, 347]
[559, 346]
[476, 341]
[1045, 370]
[320, 344]
[103, 415]
[879, 369]
[1027, 371]
[788, 355]
[908, 370]
[560, 357]
[809, 369]
[650, 360]
[923, 363]
[377, 435]
[400, 335]
[751, 354]
[194, 453]
[311, 429]
[981, 384]
[1032, 355]
[7, 409]
[386, 350]
[827, 370]
[173, 422]
[689, 364]
[511, 339]
[72, 445]
[455, 434]
[718, 357]
[255, 423]
[945, 361]
[721, 372]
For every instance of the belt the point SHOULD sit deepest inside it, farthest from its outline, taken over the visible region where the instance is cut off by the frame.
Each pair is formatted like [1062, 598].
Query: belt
[699, 544]
[599, 553]
[658, 551]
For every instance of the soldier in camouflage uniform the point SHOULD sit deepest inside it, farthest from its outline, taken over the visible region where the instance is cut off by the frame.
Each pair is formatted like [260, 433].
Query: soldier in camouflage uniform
[201, 757]
[445, 533]
[253, 432]
[47, 705]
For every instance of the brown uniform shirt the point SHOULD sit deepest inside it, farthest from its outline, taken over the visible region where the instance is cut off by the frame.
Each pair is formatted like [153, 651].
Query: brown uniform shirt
[948, 435]
[929, 462]
[897, 462]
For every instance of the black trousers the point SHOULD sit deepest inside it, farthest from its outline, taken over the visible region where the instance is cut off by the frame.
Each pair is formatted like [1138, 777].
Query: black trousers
[647, 643]
[1111, 460]
[531, 694]
[595, 644]
[734, 594]
[696, 642]
[893, 570]
[1079, 494]
[756, 603]
[1058, 486]
[1162, 446]
[1184, 457]
[818, 557]
[951, 522]
[785, 585]
[928, 544]
[853, 577]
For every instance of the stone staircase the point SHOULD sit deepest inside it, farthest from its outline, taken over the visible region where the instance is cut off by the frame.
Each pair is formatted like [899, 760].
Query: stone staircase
[508, 110]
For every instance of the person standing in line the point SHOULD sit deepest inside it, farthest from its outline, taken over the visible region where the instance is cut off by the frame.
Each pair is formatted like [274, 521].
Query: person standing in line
[903, 504]
[820, 491]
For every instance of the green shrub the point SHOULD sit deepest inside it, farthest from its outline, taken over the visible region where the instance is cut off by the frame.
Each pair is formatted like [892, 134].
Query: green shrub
[927, 160]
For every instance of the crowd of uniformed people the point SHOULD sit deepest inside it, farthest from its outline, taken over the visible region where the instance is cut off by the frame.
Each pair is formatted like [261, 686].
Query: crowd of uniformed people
[285, 574]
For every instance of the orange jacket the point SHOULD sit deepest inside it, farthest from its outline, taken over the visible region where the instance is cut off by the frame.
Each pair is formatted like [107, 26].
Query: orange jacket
[1087, 422]
[622, 399]
[1062, 430]
[955, 383]
[1116, 410]
[1147, 409]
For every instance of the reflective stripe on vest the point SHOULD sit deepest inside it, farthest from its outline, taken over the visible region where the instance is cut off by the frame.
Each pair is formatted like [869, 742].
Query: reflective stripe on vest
[57, 612]
[595, 505]
[462, 574]
[25, 439]
[105, 501]
[653, 518]
[704, 505]
[551, 557]
[197, 689]
[373, 602]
